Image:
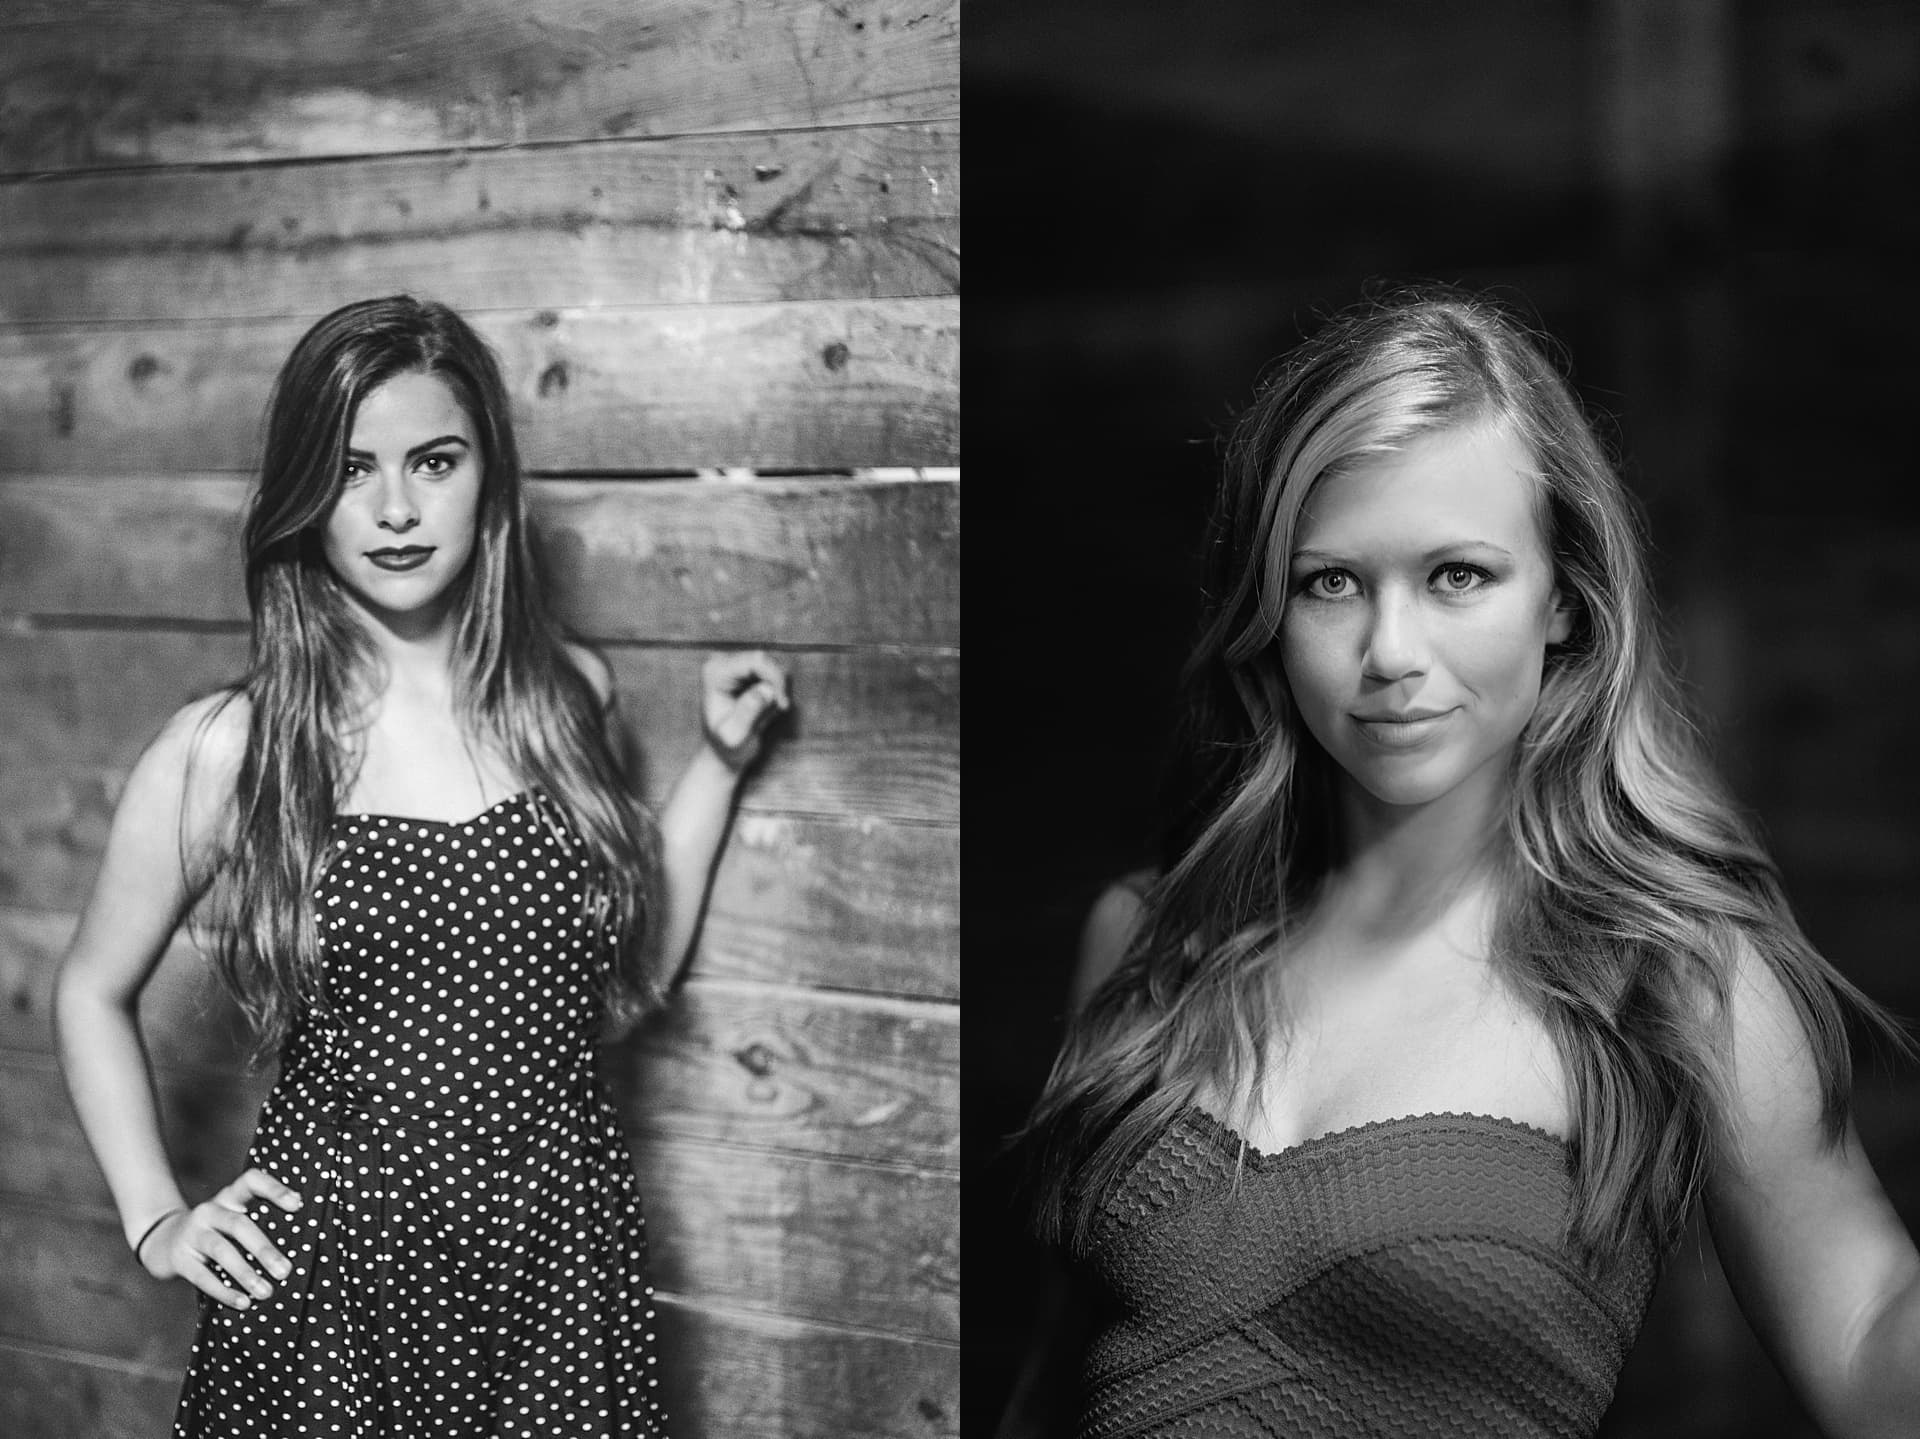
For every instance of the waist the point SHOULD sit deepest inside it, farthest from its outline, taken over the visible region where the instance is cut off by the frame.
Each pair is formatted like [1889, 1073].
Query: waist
[327, 1085]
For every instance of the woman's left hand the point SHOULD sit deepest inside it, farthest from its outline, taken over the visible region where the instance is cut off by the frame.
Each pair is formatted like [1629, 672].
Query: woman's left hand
[741, 693]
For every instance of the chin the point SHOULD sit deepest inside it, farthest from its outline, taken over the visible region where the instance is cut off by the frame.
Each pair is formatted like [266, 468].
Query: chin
[1406, 783]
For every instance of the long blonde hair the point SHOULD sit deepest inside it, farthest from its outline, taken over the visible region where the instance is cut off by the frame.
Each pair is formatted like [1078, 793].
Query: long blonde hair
[1630, 886]
[515, 683]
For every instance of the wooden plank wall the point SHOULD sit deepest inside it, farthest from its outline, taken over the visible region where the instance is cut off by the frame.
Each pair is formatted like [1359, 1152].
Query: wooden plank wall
[718, 249]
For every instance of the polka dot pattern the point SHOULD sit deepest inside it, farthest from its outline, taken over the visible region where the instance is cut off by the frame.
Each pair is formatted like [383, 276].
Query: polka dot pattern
[470, 1259]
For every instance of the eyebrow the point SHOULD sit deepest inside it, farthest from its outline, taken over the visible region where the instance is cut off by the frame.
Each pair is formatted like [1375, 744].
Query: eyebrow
[417, 450]
[1438, 552]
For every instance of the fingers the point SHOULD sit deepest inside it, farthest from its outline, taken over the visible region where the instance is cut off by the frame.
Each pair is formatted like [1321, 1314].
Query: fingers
[746, 715]
[258, 1184]
[736, 672]
[218, 1249]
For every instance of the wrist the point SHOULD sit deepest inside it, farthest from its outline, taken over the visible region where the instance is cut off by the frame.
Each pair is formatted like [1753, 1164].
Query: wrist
[137, 1241]
[712, 765]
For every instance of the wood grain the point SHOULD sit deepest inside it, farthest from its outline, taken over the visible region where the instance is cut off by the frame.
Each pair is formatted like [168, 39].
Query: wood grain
[865, 213]
[65, 1394]
[801, 1072]
[786, 1234]
[99, 82]
[757, 1377]
[795, 385]
[857, 905]
[745, 1376]
[873, 735]
[810, 562]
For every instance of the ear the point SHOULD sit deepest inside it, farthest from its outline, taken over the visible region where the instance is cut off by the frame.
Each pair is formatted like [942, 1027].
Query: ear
[1561, 624]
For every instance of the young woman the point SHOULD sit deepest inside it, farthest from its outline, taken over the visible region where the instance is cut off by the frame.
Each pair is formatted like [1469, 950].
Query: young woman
[1471, 980]
[431, 889]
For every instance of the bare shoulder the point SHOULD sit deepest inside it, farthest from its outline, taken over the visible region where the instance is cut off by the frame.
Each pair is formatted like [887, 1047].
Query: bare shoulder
[1775, 1073]
[593, 668]
[189, 770]
[1107, 931]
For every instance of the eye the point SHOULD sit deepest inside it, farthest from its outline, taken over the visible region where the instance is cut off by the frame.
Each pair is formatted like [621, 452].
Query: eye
[436, 464]
[354, 470]
[1460, 578]
[1329, 584]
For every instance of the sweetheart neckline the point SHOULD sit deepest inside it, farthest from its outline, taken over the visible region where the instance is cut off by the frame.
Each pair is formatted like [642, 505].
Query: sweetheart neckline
[1218, 1129]
[468, 823]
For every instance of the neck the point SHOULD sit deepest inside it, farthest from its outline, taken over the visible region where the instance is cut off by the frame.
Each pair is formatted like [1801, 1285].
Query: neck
[1398, 868]
[412, 654]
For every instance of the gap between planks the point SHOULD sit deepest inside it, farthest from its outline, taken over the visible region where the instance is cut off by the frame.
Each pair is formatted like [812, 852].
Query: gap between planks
[454, 152]
[744, 1315]
[690, 308]
[18, 1345]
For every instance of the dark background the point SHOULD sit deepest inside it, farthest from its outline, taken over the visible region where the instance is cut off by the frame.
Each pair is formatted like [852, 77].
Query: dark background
[1712, 207]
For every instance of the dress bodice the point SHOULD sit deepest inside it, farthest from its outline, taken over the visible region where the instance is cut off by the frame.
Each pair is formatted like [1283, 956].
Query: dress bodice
[424, 925]
[1408, 1277]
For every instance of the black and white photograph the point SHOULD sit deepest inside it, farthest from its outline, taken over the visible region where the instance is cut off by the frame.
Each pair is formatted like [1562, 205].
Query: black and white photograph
[479, 719]
[1442, 814]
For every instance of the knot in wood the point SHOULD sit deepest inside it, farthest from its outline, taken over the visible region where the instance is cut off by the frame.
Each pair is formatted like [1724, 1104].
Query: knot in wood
[756, 1059]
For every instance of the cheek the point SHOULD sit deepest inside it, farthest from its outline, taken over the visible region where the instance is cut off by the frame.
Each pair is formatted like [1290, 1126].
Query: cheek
[1311, 657]
[1501, 656]
[339, 530]
[463, 510]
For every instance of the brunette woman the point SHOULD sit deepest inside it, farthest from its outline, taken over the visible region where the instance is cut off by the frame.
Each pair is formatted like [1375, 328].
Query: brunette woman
[432, 890]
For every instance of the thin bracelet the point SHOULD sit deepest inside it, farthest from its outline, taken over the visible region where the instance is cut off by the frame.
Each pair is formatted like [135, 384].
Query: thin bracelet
[148, 1234]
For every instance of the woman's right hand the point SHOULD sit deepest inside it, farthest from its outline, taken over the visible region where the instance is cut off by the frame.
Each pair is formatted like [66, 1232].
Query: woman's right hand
[188, 1243]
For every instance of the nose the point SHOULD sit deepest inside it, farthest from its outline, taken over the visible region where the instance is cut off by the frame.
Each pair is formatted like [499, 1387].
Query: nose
[1396, 639]
[399, 511]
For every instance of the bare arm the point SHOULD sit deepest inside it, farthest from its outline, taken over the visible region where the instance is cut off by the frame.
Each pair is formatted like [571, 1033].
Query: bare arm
[1062, 1312]
[1106, 934]
[1820, 1262]
[741, 693]
[157, 860]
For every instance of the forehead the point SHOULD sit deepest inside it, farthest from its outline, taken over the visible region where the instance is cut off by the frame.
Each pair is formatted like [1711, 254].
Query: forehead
[1475, 482]
[407, 408]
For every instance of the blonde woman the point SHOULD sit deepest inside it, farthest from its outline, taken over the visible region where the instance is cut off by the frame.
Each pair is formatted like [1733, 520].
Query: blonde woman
[1471, 981]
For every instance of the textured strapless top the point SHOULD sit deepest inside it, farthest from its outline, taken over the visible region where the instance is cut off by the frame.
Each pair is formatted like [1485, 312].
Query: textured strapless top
[1408, 1277]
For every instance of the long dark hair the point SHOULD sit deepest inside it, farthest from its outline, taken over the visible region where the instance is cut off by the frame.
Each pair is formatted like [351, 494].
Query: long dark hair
[309, 662]
[1631, 887]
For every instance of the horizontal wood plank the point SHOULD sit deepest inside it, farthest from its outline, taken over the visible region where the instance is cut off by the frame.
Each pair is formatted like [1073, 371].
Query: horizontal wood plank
[859, 905]
[98, 82]
[54, 1394]
[798, 385]
[797, 1072]
[865, 213]
[820, 562]
[872, 735]
[745, 1376]
[728, 1376]
[782, 1234]
[779, 1234]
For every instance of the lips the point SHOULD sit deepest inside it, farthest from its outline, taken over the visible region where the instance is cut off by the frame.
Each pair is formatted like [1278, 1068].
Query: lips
[1401, 729]
[401, 557]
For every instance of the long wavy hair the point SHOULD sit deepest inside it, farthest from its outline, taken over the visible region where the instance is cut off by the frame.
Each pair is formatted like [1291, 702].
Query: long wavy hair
[311, 669]
[1628, 886]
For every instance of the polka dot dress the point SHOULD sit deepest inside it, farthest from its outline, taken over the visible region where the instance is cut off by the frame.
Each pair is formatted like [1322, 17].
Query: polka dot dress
[470, 1259]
